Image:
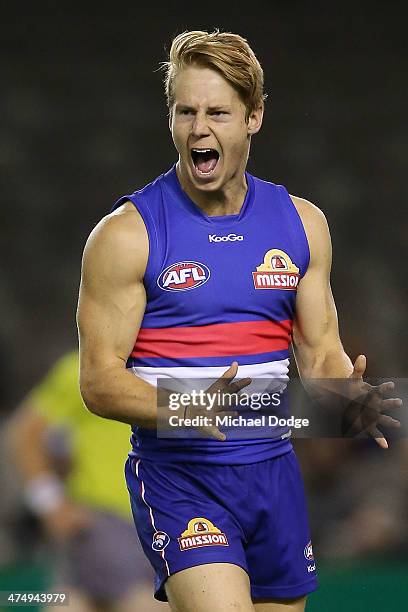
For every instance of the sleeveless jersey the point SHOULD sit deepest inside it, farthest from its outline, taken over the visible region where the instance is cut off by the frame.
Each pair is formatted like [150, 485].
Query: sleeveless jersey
[219, 289]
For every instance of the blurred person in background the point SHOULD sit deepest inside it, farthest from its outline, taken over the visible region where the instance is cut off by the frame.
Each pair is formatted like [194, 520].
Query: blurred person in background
[71, 465]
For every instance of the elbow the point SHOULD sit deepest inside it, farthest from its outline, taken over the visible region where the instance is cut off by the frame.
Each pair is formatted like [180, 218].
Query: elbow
[92, 395]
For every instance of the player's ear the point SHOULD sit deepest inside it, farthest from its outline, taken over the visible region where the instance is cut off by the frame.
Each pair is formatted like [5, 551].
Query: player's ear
[255, 120]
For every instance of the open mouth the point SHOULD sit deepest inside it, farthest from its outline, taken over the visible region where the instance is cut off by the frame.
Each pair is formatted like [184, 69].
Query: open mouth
[205, 160]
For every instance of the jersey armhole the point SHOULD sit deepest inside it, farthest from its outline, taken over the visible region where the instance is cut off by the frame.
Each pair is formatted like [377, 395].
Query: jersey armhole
[295, 222]
[151, 230]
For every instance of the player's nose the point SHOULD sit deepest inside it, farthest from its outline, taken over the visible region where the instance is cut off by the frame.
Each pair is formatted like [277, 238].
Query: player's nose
[199, 126]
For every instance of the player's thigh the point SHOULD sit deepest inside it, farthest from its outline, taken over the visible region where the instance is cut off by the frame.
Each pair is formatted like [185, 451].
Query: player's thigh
[288, 605]
[218, 587]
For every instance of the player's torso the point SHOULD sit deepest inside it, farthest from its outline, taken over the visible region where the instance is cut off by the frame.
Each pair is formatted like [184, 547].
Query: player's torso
[218, 288]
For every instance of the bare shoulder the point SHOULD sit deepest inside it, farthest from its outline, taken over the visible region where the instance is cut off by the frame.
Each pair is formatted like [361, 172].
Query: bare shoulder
[316, 227]
[119, 236]
[120, 225]
[308, 212]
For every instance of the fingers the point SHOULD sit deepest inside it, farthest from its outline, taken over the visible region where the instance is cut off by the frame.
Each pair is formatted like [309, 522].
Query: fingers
[214, 432]
[237, 385]
[230, 395]
[375, 405]
[379, 437]
[384, 387]
[225, 379]
[365, 412]
[394, 402]
[231, 372]
[382, 443]
[388, 421]
[359, 367]
[229, 376]
[227, 382]
[381, 390]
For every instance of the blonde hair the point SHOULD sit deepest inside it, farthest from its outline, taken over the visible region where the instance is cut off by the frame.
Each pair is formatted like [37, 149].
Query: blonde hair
[227, 53]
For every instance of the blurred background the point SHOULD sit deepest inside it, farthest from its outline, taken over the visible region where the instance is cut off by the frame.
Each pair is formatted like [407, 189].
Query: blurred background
[83, 121]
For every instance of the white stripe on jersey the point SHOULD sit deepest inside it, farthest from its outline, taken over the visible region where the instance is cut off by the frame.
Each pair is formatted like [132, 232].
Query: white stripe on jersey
[275, 373]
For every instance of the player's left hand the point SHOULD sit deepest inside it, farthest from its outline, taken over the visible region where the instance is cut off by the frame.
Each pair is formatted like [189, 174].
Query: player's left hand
[364, 412]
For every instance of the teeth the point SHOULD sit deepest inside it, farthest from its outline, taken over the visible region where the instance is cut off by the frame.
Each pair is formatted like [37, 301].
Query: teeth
[203, 150]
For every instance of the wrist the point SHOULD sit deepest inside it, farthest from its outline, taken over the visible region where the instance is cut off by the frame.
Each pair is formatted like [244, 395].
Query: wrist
[43, 494]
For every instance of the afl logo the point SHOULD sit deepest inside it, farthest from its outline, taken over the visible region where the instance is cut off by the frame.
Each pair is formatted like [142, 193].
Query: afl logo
[183, 276]
[160, 541]
[308, 552]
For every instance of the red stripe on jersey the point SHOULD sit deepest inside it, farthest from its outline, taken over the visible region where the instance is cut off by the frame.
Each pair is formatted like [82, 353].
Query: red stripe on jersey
[239, 338]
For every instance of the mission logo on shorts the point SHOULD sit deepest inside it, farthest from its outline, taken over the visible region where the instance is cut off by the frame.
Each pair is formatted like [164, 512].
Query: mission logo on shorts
[201, 532]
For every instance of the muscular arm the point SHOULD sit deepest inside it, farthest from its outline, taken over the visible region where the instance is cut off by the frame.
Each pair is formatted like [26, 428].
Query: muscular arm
[316, 342]
[110, 309]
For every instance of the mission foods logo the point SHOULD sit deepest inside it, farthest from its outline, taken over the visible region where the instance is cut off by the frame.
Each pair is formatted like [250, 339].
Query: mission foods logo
[183, 276]
[276, 272]
[201, 532]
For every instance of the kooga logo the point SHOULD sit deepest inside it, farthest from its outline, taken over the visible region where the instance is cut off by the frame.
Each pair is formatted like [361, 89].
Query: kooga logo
[229, 238]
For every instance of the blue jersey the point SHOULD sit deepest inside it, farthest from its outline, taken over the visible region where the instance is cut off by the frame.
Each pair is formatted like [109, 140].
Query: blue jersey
[219, 289]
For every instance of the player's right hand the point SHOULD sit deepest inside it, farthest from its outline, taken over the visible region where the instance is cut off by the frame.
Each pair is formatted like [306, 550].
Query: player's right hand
[227, 389]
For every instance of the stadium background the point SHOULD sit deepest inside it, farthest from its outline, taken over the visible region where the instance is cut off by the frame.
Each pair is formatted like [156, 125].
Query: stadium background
[83, 120]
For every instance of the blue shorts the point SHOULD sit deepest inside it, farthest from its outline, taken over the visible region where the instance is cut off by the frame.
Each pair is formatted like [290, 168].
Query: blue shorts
[251, 515]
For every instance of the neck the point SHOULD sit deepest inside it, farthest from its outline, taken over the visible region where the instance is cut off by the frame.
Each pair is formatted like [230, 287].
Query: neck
[226, 201]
